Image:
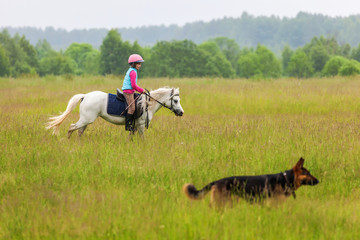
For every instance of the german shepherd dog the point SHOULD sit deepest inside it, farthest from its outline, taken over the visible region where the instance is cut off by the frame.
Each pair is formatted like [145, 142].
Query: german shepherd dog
[254, 188]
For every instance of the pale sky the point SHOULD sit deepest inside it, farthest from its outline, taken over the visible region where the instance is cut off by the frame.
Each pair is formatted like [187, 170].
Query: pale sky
[80, 14]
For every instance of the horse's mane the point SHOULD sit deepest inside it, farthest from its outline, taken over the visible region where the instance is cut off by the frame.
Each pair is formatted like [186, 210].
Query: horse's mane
[161, 91]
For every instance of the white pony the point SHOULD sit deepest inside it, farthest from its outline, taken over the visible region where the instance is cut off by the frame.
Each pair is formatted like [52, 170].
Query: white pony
[94, 104]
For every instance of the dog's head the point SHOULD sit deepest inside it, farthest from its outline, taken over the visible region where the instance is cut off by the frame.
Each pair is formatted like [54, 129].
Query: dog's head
[302, 176]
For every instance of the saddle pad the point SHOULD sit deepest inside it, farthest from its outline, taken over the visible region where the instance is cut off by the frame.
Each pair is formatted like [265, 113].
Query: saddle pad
[115, 107]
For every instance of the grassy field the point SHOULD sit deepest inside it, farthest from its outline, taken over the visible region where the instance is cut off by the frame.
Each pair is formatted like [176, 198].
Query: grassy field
[102, 186]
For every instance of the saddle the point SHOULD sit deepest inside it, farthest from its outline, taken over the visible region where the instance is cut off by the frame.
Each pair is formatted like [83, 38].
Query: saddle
[120, 95]
[117, 105]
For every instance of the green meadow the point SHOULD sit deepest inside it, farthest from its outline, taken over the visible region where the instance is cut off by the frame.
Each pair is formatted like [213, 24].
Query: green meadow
[102, 186]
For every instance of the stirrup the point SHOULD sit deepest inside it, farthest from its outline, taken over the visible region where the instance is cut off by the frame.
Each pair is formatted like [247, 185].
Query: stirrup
[129, 127]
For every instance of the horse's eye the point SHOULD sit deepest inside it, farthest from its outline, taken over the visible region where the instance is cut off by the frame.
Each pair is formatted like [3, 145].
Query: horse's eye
[175, 101]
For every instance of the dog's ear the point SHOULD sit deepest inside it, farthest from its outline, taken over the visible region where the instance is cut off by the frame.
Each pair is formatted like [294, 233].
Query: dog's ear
[300, 163]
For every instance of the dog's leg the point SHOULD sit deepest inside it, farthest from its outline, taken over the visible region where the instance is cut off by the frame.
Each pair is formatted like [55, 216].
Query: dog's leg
[220, 196]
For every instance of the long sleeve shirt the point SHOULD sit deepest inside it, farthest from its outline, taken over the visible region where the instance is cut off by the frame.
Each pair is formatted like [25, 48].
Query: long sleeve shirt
[134, 86]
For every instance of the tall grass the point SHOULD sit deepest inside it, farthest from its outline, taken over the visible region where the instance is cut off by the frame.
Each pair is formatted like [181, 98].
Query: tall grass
[102, 186]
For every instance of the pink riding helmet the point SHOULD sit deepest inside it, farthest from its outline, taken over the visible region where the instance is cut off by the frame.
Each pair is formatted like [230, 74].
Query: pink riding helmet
[135, 58]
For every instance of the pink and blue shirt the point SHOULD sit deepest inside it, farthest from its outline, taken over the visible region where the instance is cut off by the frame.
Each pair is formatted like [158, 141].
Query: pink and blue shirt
[130, 82]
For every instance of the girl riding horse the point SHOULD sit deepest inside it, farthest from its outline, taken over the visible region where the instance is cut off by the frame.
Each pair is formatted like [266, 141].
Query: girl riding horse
[130, 86]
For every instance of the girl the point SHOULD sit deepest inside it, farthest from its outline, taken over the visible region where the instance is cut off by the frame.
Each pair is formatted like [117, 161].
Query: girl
[130, 86]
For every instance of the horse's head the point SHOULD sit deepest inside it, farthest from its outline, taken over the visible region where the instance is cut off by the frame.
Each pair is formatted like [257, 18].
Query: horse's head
[168, 98]
[173, 103]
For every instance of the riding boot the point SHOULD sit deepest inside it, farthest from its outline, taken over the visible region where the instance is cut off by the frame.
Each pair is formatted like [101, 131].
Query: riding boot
[129, 122]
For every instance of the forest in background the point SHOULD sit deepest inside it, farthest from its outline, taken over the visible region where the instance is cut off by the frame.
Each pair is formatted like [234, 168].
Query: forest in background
[219, 56]
[247, 31]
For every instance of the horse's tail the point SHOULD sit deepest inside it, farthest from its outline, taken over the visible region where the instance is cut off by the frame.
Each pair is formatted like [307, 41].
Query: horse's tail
[194, 194]
[55, 122]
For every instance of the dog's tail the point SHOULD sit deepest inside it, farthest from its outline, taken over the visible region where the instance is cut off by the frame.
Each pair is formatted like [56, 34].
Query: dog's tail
[192, 193]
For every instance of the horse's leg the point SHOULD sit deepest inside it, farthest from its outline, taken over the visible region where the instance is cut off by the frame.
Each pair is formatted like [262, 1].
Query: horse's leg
[130, 136]
[141, 129]
[89, 111]
[81, 130]
[140, 126]
[81, 124]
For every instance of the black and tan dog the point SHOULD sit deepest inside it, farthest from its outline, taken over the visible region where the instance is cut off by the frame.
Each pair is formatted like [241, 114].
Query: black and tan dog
[254, 188]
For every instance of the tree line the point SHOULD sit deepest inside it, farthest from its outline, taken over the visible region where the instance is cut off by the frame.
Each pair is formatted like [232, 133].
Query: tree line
[216, 57]
[247, 30]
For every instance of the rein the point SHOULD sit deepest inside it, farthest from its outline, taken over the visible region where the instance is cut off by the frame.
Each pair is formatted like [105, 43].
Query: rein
[172, 95]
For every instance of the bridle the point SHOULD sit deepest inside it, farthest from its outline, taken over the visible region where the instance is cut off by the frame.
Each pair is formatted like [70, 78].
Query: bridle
[172, 95]
[147, 94]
